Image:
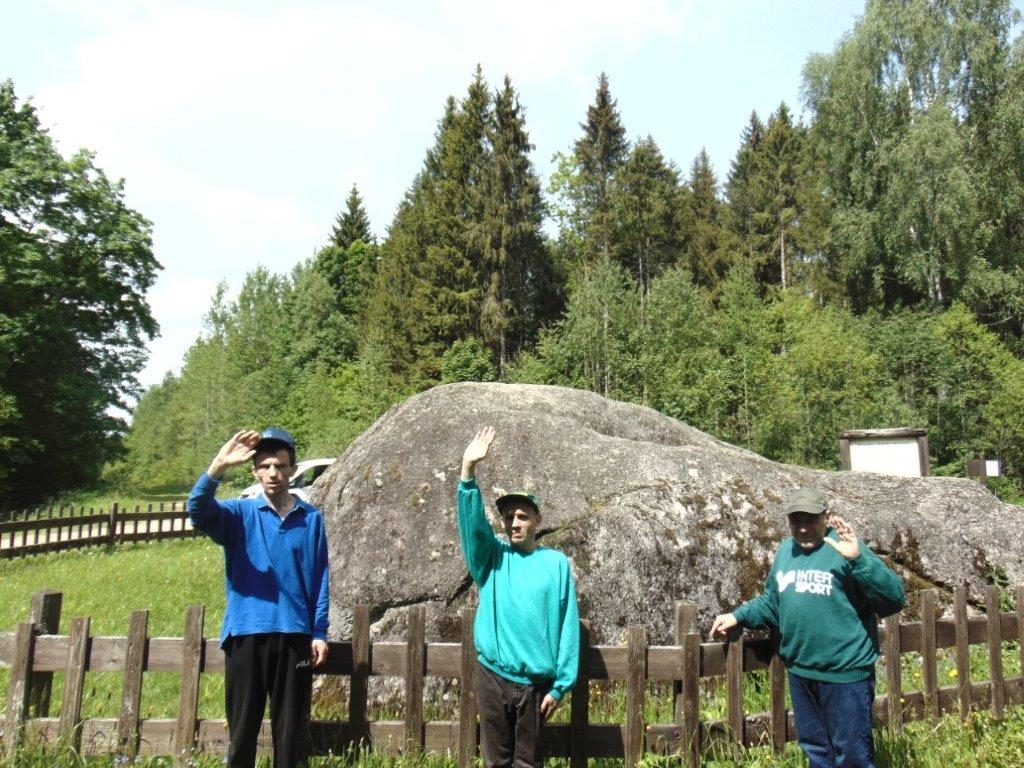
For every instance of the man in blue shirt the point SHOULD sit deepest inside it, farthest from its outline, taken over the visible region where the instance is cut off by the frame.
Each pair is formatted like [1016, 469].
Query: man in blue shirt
[275, 622]
[526, 630]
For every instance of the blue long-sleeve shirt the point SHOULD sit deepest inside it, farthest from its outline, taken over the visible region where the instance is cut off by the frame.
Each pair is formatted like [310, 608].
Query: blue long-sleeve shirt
[275, 569]
[527, 627]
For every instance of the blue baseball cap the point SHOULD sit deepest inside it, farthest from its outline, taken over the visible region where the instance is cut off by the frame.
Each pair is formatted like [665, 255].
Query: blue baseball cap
[276, 435]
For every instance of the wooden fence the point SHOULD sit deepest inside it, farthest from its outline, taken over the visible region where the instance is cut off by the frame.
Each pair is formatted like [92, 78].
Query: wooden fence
[42, 530]
[34, 652]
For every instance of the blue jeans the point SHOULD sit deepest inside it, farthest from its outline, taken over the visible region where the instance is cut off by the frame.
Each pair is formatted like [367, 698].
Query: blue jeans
[833, 722]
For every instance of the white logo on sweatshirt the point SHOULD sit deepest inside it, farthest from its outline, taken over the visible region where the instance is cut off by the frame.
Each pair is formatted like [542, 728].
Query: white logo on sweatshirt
[811, 581]
[785, 579]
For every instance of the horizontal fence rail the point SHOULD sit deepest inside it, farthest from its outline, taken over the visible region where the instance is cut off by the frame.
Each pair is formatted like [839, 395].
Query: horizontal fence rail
[50, 530]
[35, 651]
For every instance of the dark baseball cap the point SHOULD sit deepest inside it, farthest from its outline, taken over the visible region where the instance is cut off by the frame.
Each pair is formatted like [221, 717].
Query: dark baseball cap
[276, 435]
[806, 499]
[529, 498]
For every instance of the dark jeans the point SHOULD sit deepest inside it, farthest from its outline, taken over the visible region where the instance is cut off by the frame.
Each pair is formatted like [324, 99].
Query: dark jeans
[510, 721]
[255, 667]
[833, 722]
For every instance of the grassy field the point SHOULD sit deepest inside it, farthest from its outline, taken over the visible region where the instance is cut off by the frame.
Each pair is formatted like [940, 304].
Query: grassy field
[165, 578]
[107, 585]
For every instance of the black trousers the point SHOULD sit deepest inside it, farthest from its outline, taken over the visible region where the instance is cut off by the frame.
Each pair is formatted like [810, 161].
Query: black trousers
[510, 721]
[256, 667]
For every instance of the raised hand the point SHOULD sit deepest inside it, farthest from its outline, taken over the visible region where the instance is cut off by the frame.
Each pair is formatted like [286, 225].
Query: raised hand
[238, 450]
[847, 546]
[476, 451]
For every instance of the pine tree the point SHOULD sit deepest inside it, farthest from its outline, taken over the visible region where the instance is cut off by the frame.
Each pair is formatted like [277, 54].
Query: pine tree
[599, 154]
[741, 188]
[706, 241]
[763, 192]
[427, 290]
[352, 224]
[516, 274]
[646, 206]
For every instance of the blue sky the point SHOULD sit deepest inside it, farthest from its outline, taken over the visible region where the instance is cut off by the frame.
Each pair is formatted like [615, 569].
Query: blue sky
[240, 126]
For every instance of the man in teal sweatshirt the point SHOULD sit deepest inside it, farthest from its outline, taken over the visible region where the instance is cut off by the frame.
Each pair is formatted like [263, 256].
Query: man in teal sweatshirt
[824, 594]
[527, 624]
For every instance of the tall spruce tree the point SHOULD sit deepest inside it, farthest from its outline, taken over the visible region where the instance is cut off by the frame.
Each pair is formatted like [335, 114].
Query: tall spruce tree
[599, 154]
[706, 242]
[515, 272]
[769, 196]
[428, 288]
[352, 224]
[646, 206]
[741, 187]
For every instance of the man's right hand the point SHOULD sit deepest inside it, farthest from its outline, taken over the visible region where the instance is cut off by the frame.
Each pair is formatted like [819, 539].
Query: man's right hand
[722, 624]
[476, 451]
[238, 450]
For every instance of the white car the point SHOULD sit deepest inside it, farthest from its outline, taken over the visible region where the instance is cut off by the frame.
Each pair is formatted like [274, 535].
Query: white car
[305, 473]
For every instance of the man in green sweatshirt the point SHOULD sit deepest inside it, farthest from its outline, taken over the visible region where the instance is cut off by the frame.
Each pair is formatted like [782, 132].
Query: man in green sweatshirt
[824, 594]
[527, 625]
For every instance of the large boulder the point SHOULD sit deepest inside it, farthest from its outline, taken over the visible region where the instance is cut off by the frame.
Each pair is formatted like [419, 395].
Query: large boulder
[648, 509]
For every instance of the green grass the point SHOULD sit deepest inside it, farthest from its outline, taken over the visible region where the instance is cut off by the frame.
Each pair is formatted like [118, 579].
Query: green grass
[976, 742]
[164, 578]
[107, 584]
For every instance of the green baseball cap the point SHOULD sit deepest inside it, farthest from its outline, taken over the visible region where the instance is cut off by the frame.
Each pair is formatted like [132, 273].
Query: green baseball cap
[806, 499]
[529, 498]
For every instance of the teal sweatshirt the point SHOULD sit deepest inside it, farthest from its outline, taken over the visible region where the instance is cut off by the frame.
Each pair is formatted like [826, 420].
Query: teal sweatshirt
[826, 609]
[527, 626]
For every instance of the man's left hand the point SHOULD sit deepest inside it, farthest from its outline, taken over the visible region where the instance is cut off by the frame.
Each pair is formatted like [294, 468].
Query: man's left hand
[548, 706]
[847, 545]
[318, 652]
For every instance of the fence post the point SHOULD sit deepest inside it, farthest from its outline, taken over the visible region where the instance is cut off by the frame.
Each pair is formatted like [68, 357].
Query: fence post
[359, 681]
[579, 706]
[929, 657]
[74, 683]
[414, 662]
[191, 665]
[685, 622]
[688, 706]
[131, 693]
[467, 692]
[893, 673]
[963, 650]
[734, 688]
[636, 675]
[44, 613]
[112, 524]
[1020, 634]
[777, 694]
[995, 652]
[18, 688]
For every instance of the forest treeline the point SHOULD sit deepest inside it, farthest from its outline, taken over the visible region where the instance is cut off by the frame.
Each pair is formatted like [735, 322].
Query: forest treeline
[860, 268]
